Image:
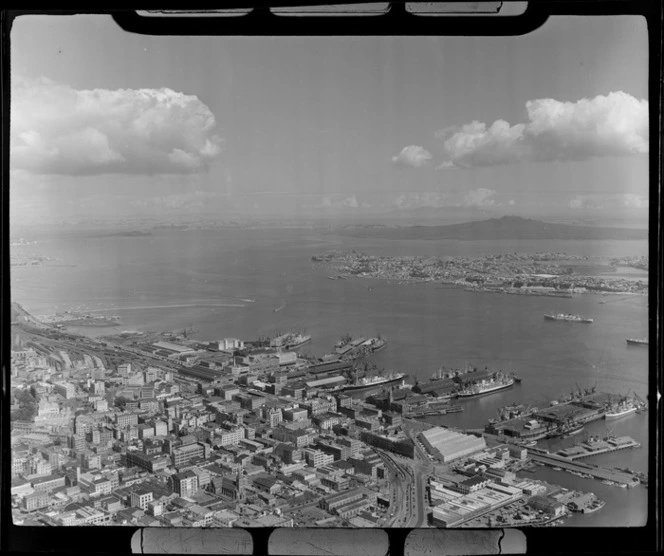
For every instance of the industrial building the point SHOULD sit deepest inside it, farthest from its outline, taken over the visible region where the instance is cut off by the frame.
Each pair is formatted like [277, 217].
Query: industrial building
[449, 445]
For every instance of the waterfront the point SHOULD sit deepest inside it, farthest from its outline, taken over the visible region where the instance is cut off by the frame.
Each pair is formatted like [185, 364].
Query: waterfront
[173, 280]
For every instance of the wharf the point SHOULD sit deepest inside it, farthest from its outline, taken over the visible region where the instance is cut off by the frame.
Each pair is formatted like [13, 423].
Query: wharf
[597, 447]
[436, 412]
[553, 460]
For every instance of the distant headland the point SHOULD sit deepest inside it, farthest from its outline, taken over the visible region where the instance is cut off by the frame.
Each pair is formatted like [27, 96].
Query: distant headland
[507, 227]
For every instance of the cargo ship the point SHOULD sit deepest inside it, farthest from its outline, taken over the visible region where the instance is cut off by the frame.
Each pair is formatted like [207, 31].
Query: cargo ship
[623, 409]
[297, 340]
[494, 384]
[289, 340]
[372, 382]
[572, 431]
[568, 317]
[347, 347]
[637, 342]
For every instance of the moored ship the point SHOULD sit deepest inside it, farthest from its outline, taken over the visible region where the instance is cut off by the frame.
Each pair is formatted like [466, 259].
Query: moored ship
[494, 384]
[623, 409]
[290, 340]
[637, 341]
[568, 317]
[372, 382]
[297, 340]
[347, 347]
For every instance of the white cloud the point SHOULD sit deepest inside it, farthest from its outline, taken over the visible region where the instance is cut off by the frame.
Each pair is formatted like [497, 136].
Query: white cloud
[615, 202]
[350, 202]
[179, 200]
[412, 155]
[480, 197]
[446, 165]
[424, 199]
[635, 201]
[56, 129]
[612, 125]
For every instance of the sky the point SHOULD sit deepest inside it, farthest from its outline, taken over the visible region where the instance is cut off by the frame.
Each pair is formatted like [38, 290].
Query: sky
[110, 124]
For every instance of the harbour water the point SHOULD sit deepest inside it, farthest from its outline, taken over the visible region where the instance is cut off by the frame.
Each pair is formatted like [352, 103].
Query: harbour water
[173, 280]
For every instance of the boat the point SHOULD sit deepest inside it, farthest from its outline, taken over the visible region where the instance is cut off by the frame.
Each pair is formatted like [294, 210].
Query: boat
[637, 342]
[296, 340]
[573, 431]
[372, 382]
[277, 309]
[484, 387]
[557, 468]
[623, 409]
[596, 505]
[348, 347]
[530, 443]
[568, 317]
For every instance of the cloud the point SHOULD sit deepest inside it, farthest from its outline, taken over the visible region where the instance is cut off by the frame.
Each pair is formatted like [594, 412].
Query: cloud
[635, 201]
[480, 197]
[612, 125]
[56, 129]
[446, 165]
[194, 199]
[412, 156]
[609, 202]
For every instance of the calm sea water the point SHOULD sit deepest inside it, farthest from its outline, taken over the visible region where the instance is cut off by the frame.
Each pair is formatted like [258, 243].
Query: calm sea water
[203, 279]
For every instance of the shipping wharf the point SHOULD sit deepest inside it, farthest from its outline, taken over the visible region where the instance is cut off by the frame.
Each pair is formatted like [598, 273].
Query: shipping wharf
[597, 447]
[596, 472]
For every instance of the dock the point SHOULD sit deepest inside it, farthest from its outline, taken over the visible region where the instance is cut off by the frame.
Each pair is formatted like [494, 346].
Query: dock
[597, 447]
[600, 473]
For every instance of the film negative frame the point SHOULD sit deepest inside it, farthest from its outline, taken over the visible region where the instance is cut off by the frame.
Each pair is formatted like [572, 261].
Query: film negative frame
[397, 21]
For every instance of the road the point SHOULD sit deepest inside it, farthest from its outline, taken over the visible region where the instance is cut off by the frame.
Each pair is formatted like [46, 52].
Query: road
[408, 498]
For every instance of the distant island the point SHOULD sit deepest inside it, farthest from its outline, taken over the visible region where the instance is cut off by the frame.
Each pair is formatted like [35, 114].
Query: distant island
[134, 233]
[551, 274]
[507, 227]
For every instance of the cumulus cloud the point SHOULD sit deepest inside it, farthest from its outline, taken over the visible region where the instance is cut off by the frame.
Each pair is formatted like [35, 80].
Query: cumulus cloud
[480, 197]
[56, 129]
[412, 155]
[612, 125]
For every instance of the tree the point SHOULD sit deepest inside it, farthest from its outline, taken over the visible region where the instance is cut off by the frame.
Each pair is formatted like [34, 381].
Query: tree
[121, 402]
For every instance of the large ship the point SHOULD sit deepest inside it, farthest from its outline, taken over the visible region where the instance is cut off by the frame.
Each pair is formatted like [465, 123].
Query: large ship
[637, 341]
[494, 384]
[568, 317]
[297, 340]
[372, 382]
[290, 340]
[624, 408]
[349, 348]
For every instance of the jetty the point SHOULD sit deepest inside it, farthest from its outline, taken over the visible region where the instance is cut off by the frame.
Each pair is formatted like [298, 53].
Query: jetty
[597, 447]
[596, 472]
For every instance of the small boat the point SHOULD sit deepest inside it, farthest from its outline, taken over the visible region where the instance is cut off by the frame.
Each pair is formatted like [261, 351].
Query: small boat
[637, 342]
[569, 318]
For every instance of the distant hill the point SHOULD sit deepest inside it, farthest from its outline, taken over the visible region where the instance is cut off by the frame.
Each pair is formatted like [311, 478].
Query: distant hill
[507, 227]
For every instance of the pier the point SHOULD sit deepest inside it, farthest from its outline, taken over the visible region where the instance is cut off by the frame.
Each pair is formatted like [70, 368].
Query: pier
[553, 460]
[597, 447]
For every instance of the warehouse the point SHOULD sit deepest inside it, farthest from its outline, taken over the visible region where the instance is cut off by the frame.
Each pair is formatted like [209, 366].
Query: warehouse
[449, 445]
